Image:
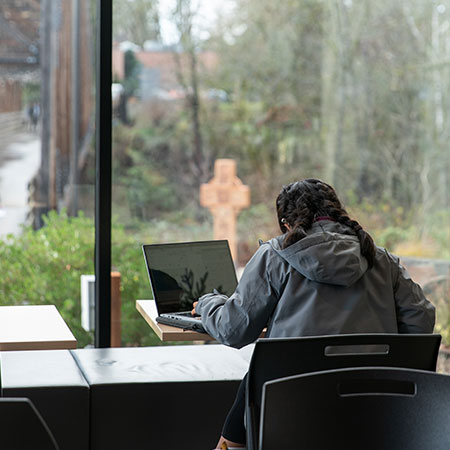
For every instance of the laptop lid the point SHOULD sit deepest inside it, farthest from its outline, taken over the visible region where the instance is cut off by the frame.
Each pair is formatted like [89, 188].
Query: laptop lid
[182, 272]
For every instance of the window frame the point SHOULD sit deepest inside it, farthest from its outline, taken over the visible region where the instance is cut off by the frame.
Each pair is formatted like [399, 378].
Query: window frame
[103, 174]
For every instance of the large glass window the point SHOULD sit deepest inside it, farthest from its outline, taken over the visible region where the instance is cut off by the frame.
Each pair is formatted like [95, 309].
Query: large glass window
[47, 171]
[354, 92]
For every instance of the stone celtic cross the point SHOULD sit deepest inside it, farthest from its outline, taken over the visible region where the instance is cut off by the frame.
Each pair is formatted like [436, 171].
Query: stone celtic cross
[225, 195]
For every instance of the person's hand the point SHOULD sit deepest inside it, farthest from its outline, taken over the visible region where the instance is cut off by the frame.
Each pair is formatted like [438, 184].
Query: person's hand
[193, 312]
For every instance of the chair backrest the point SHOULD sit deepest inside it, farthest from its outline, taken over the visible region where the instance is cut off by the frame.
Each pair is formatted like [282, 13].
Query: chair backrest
[357, 408]
[22, 427]
[282, 357]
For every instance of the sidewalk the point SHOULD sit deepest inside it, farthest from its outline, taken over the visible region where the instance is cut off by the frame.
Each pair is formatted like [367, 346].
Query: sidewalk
[20, 159]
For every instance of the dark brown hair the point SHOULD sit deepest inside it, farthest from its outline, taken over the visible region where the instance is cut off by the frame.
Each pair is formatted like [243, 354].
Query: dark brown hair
[299, 204]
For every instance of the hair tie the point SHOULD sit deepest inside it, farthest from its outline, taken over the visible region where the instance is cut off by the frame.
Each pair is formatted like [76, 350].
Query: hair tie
[318, 219]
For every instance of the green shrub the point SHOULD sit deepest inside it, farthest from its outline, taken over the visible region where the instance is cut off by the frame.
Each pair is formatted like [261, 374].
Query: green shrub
[44, 267]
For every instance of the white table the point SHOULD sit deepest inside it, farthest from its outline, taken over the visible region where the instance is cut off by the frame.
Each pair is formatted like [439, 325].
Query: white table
[34, 327]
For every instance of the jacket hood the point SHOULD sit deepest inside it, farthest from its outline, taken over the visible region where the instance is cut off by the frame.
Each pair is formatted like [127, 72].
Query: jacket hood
[330, 253]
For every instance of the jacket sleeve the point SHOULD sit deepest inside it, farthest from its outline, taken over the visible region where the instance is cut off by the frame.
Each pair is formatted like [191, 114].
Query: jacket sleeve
[238, 320]
[415, 314]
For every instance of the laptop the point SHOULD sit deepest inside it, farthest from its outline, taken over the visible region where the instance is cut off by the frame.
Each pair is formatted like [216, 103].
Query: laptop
[182, 272]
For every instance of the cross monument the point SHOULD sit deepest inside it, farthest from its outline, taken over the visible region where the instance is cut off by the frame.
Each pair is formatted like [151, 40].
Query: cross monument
[225, 195]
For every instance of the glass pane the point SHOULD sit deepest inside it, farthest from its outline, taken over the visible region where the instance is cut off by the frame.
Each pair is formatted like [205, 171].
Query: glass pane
[354, 92]
[47, 172]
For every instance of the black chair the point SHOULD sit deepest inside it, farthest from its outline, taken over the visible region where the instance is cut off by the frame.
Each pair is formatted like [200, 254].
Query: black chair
[282, 357]
[22, 427]
[357, 408]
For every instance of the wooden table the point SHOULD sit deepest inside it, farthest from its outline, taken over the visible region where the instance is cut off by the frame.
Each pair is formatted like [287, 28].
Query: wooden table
[34, 327]
[165, 332]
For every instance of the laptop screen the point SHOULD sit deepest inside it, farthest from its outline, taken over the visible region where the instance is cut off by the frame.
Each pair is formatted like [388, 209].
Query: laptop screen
[180, 273]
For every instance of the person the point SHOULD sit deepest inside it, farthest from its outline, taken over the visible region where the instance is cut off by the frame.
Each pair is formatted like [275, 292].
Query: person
[34, 112]
[323, 275]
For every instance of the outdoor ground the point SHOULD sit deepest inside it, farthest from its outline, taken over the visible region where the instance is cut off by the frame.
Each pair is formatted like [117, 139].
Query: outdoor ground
[20, 157]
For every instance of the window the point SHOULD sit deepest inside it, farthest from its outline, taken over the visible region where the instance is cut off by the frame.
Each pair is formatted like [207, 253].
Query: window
[353, 92]
[47, 165]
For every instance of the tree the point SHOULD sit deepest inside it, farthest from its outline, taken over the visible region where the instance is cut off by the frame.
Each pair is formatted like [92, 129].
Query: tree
[130, 85]
[136, 21]
[353, 92]
[188, 77]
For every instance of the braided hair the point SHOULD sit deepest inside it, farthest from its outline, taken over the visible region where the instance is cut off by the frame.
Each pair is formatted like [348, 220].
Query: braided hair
[299, 204]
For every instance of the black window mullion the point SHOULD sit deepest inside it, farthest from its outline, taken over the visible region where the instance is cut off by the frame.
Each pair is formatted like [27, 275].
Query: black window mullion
[103, 175]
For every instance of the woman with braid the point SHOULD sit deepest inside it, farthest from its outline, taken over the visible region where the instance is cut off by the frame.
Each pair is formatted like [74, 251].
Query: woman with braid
[323, 275]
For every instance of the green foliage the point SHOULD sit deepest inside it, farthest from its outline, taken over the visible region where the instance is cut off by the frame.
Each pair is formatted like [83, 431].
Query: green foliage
[390, 237]
[31, 92]
[136, 20]
[45, 266]
[132, 71]
[438, 291]
[140, 190]
[353, 92]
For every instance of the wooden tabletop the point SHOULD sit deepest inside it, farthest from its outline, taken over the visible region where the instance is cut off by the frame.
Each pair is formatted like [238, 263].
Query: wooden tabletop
[34, 327]
[165, 332]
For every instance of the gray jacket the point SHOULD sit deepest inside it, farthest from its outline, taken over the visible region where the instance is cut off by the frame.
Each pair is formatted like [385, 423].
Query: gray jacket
[320, 285]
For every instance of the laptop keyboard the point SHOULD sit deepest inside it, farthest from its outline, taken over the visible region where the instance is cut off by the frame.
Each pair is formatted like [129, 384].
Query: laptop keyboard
[187, 314]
